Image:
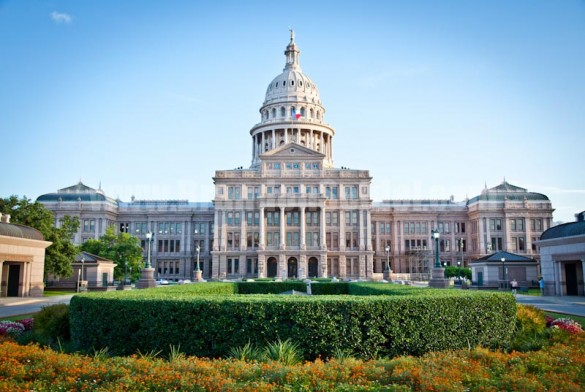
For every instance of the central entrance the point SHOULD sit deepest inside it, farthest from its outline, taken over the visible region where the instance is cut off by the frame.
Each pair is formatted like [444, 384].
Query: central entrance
[272, 265]
[313, 267]
[292, 267]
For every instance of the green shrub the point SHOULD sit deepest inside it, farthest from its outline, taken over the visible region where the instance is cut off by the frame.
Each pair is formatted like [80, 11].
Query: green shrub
[51, 325]
[285, 352]
[530, 332]
[404, 320]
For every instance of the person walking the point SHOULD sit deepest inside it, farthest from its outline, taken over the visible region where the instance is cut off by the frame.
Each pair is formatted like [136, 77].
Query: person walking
[514, 284]
[541, 285]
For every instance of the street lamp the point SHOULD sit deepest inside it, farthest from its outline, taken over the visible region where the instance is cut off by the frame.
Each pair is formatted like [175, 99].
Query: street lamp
[503, 259]
[436, 235]
[82, 264]
[459, 271]
[198, 250]
[387, 269]
[149, 238]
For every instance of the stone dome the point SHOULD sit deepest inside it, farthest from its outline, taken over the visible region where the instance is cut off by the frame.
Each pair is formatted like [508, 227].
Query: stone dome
[292, 84]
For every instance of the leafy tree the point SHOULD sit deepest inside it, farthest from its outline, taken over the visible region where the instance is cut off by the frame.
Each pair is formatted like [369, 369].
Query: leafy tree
[61, 253]
[122, 248]
[454, 272]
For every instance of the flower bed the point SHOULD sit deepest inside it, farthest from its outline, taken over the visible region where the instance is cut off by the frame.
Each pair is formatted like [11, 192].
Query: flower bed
[560, 368]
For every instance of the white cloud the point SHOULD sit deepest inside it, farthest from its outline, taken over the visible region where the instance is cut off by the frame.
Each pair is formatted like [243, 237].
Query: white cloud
[59, 17]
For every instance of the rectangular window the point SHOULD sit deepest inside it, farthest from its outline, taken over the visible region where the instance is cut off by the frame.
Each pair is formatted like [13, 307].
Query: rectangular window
[495, 225]
[124, 227]
[234, 192]
[140, 228]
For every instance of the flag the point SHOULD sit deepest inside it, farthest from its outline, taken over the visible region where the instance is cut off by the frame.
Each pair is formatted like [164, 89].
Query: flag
[295, 115]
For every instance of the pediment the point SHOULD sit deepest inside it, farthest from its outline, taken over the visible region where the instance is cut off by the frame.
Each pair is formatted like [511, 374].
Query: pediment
[292, 151]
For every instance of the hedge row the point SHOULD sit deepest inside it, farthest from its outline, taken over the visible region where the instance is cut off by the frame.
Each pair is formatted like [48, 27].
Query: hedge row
[317, 288]
[362, 326]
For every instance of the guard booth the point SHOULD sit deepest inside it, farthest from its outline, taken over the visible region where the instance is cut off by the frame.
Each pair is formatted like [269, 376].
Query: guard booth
[22, 260]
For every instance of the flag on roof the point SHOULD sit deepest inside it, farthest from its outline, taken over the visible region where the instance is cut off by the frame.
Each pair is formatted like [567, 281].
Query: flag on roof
[295, 114]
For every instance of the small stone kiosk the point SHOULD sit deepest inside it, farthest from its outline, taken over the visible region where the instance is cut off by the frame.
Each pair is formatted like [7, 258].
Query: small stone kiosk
[499, 269]
[90, 272]
[22, 260]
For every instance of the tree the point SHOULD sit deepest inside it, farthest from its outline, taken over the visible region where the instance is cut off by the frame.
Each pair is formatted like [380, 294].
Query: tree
[124, 249]
[61, 253]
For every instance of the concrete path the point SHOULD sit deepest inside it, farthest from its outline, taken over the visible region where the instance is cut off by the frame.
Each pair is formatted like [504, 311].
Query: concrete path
[566, 304]
[15, 306]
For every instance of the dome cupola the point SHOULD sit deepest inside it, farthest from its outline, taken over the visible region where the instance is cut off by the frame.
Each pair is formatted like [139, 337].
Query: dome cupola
[292, 112]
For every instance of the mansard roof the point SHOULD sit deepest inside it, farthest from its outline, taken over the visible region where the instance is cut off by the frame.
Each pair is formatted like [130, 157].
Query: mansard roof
[76, 193]
[507, 191]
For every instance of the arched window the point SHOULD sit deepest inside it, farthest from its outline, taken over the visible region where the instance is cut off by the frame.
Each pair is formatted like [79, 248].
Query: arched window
[293, 111]
[282, 111]
[303, 111]
[318, 115]
[292, 82]
[311, 114]
[273, 112]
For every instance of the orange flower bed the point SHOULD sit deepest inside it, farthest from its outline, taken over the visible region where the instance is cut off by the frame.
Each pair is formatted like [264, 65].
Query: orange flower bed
[560, 367]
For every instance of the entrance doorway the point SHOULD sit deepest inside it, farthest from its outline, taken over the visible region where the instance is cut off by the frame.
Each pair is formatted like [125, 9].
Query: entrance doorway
[571, 278]
[313, 267]
[292, 267]
[13, 280]
[272, 265]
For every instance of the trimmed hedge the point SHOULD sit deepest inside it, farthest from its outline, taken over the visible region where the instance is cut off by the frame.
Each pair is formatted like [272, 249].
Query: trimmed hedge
[407, 321]
[317, 288]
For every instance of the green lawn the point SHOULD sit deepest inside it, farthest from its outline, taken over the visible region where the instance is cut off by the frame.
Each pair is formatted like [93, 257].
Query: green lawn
[52, 293]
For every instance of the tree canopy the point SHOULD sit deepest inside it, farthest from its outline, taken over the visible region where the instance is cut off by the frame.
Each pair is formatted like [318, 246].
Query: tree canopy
[61, 253]
[122, 248]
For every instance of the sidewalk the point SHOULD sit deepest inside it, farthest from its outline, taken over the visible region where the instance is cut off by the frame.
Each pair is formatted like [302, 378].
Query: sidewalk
[15, 306]
[566, 304]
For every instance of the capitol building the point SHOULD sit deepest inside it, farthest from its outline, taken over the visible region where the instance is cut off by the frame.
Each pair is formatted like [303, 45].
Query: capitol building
[293, 214]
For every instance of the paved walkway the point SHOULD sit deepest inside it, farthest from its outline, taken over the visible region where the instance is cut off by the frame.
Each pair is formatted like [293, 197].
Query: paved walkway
[566, 304]
[14, 306]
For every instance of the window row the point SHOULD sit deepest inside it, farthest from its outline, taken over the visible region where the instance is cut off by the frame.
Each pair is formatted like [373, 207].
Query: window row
[282, 112]
[293, 165]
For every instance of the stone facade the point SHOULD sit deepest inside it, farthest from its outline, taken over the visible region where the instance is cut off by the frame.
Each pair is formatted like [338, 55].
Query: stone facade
[22, 260]
[292, 213]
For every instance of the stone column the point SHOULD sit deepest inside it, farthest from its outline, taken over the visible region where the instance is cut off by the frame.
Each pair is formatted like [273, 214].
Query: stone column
[362, 245]
[342, 230]
[261, 239]
[368, 230]
[282, 229]
[303, 228]
[243, 230]
[322, 227]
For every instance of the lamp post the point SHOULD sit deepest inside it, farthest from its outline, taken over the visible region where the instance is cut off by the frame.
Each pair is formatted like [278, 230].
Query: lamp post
[436, 235]
[149, 238]
[147, 273]
[198, 272]
[504, 285]
[387, 270]
[438, 272]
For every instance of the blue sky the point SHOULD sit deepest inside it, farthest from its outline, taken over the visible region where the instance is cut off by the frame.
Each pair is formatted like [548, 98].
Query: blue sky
[435, 98]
